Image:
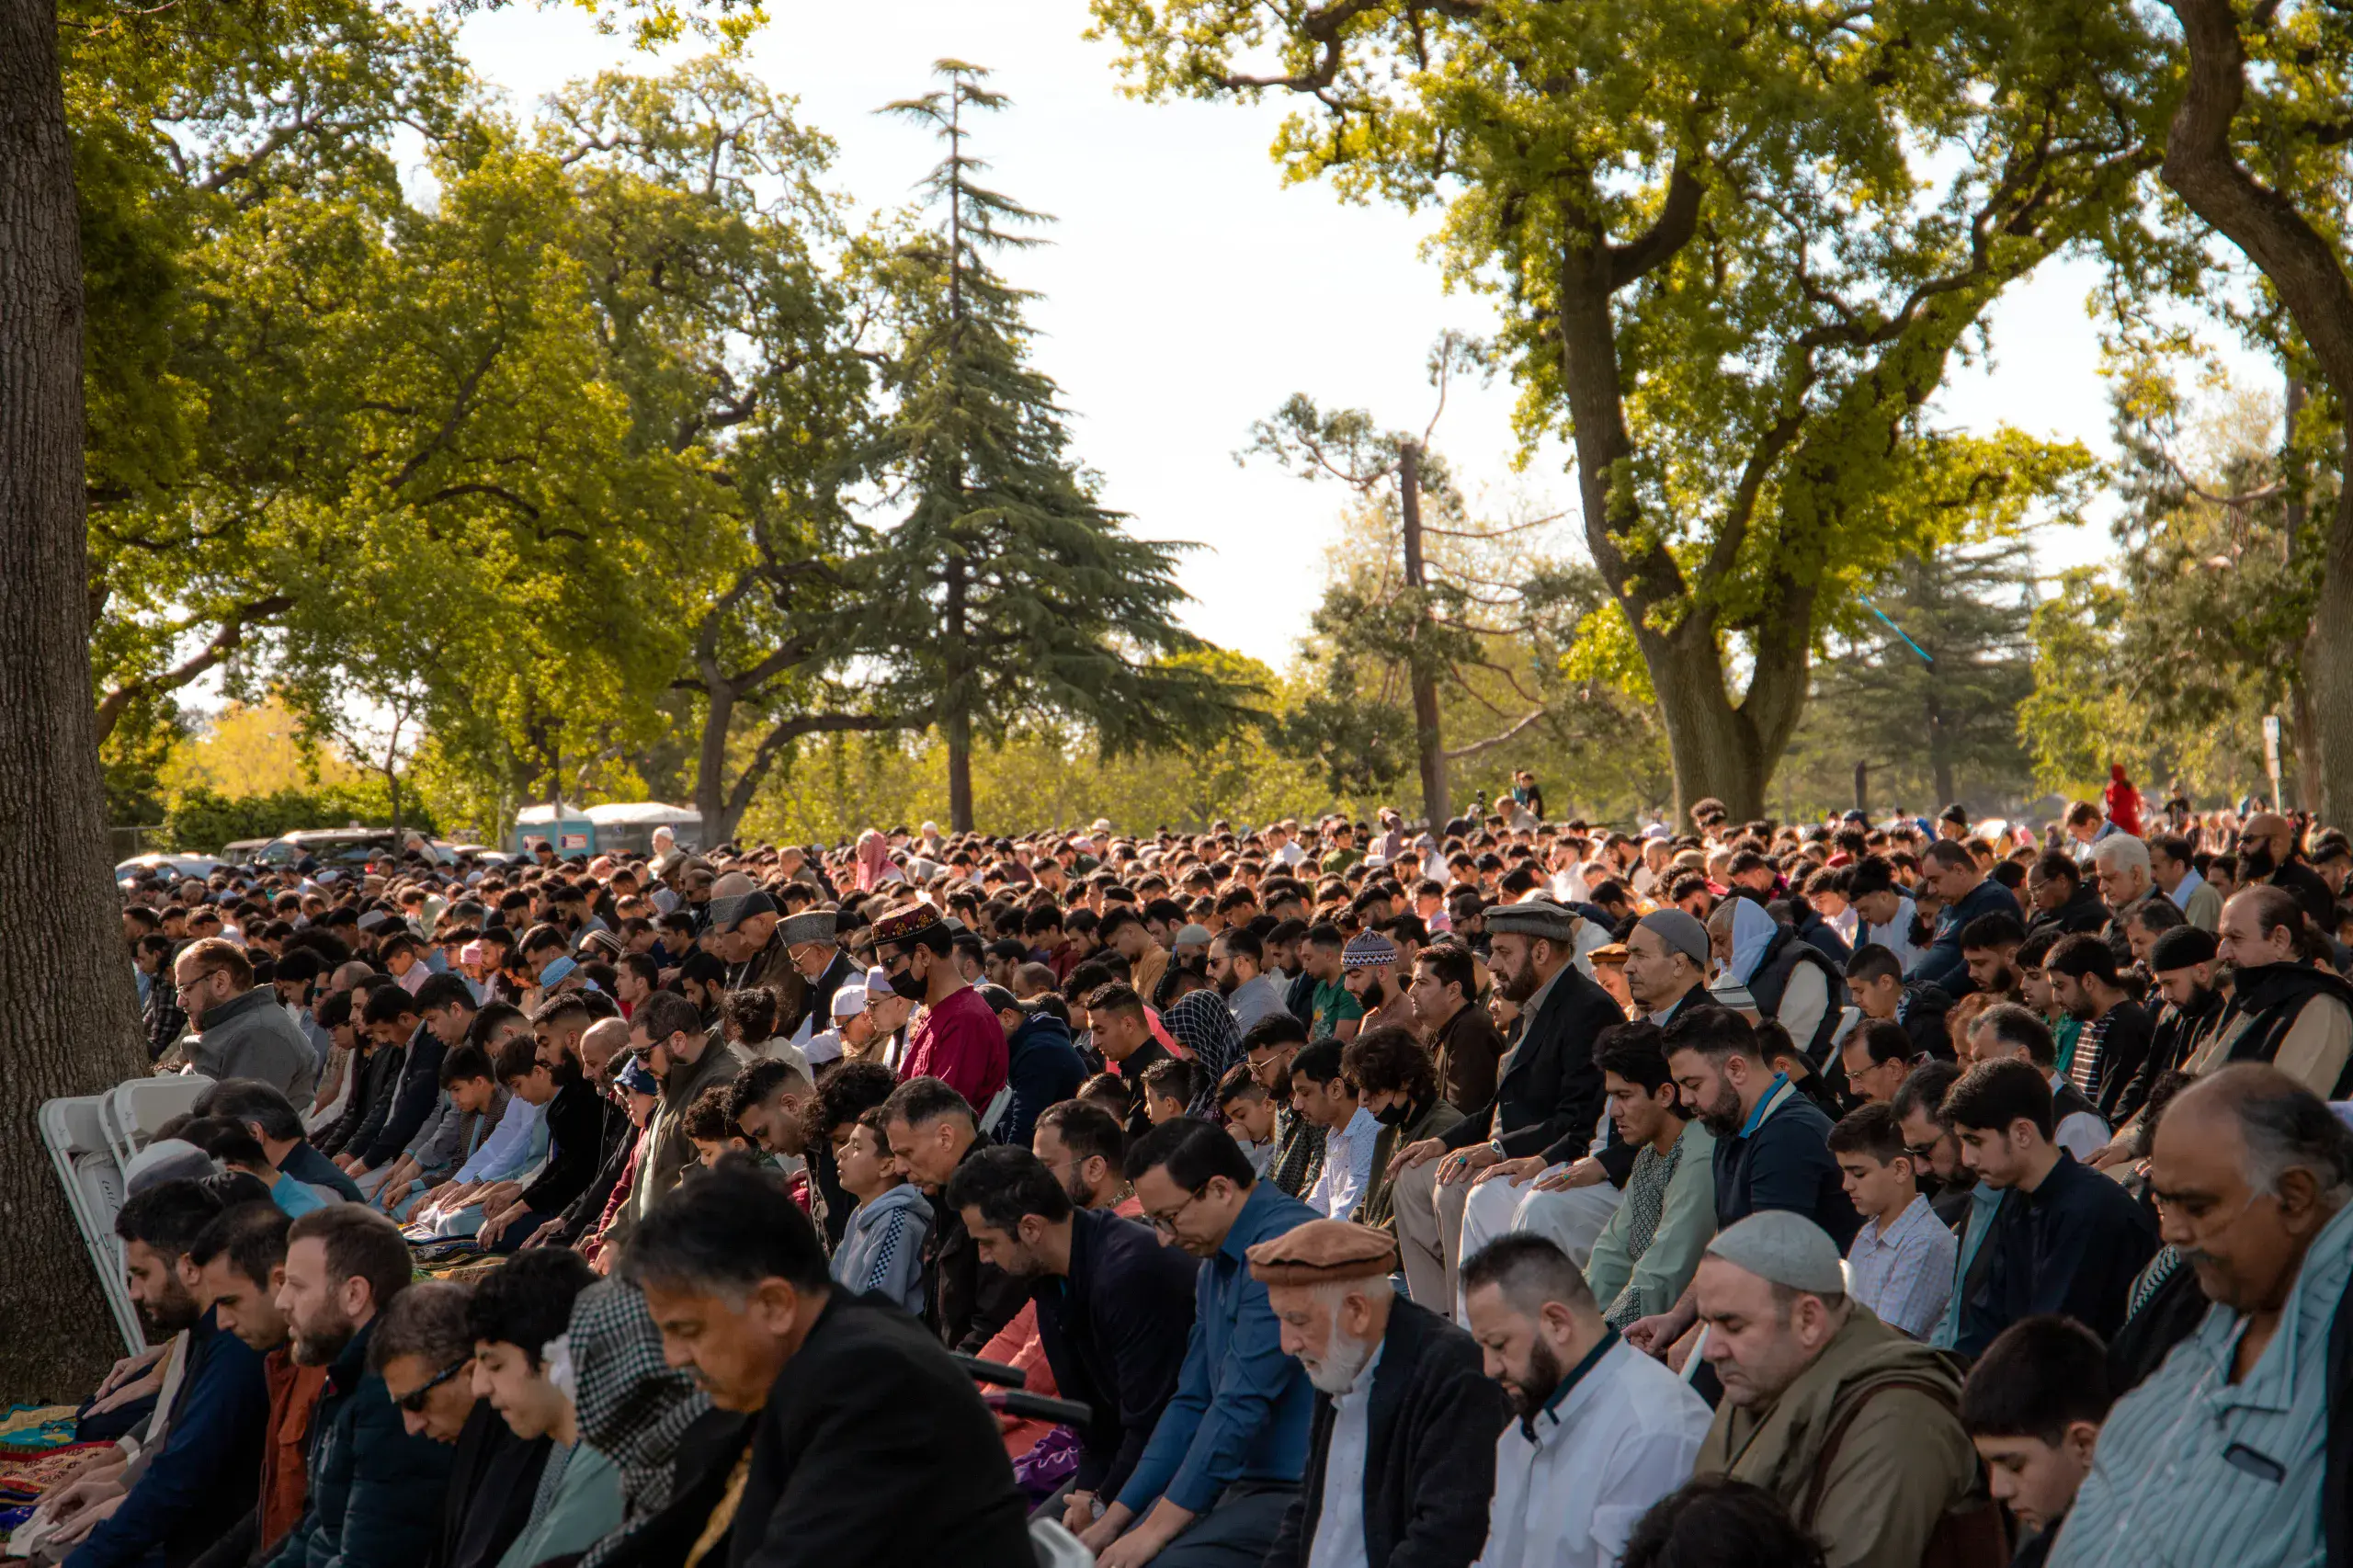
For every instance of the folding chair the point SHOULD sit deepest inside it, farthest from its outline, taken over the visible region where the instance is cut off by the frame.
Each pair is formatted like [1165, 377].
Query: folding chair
[85, 1159]
[130, 1112]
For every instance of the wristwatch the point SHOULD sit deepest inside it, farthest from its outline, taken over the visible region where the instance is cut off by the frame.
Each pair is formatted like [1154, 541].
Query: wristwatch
[1497, 1146]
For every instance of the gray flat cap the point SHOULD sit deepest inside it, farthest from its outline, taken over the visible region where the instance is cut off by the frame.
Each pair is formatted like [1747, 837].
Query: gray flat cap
[1785, 1249]
[1533, 917]
[1682, 934]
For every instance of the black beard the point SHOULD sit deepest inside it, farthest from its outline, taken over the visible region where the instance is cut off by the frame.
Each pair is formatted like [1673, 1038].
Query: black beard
[1225, 987]
[162, 1319]
[1372, 996]
[2256, 865]
[1544, 1375]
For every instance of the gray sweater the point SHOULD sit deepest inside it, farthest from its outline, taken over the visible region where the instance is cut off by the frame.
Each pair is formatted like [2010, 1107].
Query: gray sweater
[881, 1251]
[251, 1037]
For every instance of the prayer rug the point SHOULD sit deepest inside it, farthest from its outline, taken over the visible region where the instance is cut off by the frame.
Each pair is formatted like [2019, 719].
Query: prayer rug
[24, 1480]
[35, 1428]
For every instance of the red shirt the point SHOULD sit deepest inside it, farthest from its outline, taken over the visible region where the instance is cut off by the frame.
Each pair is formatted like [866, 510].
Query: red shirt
[961, 1043]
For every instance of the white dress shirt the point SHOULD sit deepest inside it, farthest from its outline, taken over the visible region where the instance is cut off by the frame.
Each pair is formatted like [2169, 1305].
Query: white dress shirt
[1348, 1168]
[1339, 1519]
[1571, 1484]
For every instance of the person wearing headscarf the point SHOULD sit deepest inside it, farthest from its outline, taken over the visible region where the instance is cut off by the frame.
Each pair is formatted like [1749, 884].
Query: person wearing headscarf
[633, 1406]
[1203, 1024]
[874, 866]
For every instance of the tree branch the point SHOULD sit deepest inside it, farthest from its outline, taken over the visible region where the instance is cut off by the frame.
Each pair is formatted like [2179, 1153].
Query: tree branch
[1475, 747]
[224, 642]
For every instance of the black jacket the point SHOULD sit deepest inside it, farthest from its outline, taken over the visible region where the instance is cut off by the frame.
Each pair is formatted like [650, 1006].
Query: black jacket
[1115, 1333]
[2082, 914]
[575, 1147]
[494, 1474]
[970, 1300]
[375, 1489]
[1042, 1067]
[1549, 1089]
[2176, 1033]
[2074, 1245]
[2310, 891]
[875, 1448]
[2265, 1002]
[1429, 1466]
[412, 1102]
[376, 1072]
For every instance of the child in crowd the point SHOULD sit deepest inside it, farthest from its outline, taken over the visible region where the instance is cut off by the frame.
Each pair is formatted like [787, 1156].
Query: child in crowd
[1168, 1089]
[1109, 1091]
[1901, 1265]
[711, 1130]
[1249, 1114]
[883, 1249]
[2033, 1405]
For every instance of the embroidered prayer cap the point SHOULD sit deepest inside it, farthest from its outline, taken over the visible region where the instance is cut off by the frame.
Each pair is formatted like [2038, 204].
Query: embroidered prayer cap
[1680, 930]
[1533, 917]
[1368, 950]
[1783, 1248]
[809, 926]
[726, 913]
[907, 921]
[1322, 1251]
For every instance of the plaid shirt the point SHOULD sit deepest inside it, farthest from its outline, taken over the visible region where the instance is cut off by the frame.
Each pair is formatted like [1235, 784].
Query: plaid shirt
[1905, 1275]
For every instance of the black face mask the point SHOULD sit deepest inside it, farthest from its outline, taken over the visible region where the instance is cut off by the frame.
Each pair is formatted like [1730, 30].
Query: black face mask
[1393, 1114]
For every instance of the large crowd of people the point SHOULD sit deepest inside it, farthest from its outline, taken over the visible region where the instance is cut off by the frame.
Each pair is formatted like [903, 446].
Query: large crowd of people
[1502, 1191]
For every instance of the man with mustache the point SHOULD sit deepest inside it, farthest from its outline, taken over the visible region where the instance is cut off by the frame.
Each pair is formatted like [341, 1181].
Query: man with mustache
[1399, 1466]
[2268, 853]
[198, 1474]
[1603, 1431]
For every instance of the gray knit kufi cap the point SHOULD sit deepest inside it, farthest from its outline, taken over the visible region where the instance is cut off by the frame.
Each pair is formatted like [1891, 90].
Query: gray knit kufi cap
[1783, 1248]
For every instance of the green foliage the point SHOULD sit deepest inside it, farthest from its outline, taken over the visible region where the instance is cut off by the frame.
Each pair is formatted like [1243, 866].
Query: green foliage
[2169, 660]
[201, 820]
[1736, 252]
[1033, 601]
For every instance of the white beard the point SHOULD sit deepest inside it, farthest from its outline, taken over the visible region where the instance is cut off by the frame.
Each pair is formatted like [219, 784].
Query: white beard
[1342, 1362]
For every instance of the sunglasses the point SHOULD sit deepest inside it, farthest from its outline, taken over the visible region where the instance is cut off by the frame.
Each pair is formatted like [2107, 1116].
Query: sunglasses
[413, 1401]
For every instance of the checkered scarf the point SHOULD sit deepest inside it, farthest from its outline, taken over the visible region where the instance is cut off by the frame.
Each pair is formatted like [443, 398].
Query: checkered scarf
[632, 1407]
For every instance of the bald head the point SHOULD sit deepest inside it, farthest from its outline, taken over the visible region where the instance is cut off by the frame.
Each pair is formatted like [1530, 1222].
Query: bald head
[2247, 1165]
[604, 1039]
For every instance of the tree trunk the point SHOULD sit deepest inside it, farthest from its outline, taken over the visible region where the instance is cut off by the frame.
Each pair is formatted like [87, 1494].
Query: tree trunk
[1712, 744]
[955, 708]
[710, 762]
[1429, 740]
[70, 1025]
[2327, 685]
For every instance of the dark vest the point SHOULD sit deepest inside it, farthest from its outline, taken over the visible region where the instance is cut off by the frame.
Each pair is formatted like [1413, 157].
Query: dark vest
[2266, 1000]
[1783, 954]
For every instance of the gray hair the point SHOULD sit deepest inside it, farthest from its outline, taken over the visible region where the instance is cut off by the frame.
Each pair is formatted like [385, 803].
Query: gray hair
[2121, 850]
[2287, 1127]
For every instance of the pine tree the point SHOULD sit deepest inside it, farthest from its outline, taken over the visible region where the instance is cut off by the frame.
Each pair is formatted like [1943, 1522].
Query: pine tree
[1931, 730]
[1038, 603]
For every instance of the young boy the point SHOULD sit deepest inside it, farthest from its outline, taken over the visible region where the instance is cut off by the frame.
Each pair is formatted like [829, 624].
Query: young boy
[881, 1250]
[2033, 1405]
[1901, 1265]
[711, 1130]
[1249, 1114]
[1168, 1089]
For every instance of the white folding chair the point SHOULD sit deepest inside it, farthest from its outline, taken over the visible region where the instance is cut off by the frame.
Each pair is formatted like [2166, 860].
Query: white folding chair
[73, 1132]
[130, 1112]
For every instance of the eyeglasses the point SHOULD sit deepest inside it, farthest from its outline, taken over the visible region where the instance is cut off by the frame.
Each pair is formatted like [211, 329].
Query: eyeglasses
[413, 1401]
[1167, 1223]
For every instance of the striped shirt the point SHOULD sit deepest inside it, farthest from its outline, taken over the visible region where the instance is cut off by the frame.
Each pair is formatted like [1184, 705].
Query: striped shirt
[2193, 1469]
[1905, 1274]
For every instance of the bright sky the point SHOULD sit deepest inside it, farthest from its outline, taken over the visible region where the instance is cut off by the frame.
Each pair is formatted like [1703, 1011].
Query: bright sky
[1188, 292]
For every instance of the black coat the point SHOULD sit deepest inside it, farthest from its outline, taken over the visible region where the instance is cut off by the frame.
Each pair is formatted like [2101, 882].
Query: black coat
[968, 1300]
[493, 1476]
[1115, 1333]
[1550, 1088]
[875, 1448]
[1429, 1466]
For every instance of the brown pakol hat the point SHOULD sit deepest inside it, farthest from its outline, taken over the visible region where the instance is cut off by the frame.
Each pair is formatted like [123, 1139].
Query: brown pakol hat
[1323, 1252]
